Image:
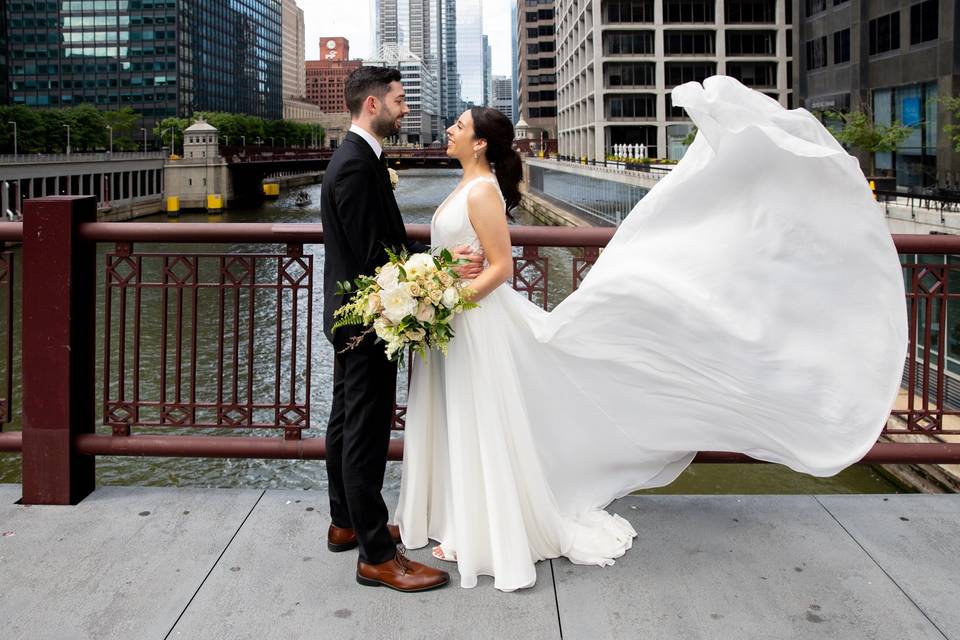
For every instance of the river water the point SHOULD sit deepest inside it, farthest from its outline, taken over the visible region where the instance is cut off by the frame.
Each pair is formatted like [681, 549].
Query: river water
[418, 194]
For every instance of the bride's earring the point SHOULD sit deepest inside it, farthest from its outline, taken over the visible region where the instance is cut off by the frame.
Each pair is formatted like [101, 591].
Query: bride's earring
[476, 156]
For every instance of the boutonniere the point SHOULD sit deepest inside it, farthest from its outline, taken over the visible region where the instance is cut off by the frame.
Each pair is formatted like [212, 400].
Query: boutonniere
[394, 178]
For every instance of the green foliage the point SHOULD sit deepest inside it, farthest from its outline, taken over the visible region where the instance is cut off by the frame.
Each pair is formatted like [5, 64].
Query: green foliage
[857, 129]
[43, 130]
[690, 137]
[952, 104]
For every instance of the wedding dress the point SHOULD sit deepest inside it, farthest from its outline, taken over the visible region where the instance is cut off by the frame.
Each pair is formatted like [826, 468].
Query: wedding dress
[752, 302]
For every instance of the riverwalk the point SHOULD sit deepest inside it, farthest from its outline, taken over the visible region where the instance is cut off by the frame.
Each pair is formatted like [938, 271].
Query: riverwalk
[155, 563]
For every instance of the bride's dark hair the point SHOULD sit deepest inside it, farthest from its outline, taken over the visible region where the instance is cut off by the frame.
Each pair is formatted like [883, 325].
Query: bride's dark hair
[496, 129]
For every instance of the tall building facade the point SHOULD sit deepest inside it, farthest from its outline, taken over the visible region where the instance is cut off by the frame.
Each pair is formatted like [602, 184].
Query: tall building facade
[515, 63]
[452, 105]
[422, 125]
[892, 59]
[470, 51]
[160, 58]
[294, 51]
[487, 73]
[503, 96]
[537, 71]
[325, 77]
[619, 60]
[415, 28]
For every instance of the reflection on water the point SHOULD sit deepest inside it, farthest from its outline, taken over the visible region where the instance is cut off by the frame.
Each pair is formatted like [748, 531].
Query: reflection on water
[418, 195]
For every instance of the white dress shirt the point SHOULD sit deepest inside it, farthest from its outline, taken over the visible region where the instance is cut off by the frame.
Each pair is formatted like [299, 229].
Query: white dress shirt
[366, 135]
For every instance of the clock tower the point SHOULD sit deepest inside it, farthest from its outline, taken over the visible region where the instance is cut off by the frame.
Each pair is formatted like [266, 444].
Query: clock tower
[334, 49]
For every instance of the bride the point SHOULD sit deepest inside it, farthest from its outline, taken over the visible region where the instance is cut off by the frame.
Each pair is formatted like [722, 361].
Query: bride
[751, 302]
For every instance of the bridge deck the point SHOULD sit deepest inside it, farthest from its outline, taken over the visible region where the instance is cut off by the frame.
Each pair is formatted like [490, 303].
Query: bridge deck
[227, 563]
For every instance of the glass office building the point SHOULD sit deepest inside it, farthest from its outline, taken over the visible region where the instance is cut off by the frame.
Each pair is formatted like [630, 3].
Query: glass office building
[159, 57]
[470, 51]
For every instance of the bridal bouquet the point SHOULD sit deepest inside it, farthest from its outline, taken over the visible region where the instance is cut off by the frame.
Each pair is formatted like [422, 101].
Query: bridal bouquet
[410, 301]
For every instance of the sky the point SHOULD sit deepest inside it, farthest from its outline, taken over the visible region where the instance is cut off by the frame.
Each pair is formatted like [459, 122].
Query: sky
[352, 20]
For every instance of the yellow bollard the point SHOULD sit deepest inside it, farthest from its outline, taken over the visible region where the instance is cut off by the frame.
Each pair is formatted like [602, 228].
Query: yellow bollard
[173, 204]
[873, 189]
[214, 202]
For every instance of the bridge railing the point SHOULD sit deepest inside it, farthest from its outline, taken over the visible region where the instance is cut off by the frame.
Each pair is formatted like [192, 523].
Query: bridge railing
[102, 156]
[195, 347]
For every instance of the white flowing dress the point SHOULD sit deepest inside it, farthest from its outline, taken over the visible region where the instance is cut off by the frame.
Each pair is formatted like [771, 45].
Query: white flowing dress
[752, 302]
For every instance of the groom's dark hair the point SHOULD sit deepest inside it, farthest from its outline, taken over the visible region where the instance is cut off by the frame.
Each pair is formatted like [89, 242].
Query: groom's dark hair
[368, 81]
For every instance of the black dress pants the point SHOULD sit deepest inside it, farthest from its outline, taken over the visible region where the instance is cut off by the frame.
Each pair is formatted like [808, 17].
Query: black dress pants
[358, 434]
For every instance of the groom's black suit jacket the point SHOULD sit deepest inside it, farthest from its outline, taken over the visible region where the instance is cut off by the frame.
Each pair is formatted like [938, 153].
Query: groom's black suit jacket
[360, 221]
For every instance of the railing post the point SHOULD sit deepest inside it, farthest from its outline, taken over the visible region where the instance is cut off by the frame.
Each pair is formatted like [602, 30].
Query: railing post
[59, 315]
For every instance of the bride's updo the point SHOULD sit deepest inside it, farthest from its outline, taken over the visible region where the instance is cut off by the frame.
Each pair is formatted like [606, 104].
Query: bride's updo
[496, 129]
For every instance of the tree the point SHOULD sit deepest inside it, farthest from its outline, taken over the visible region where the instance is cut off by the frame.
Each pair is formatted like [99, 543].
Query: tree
[952, 104]
[124, 123]
[859, 130]
[177, 125]
[687, 141]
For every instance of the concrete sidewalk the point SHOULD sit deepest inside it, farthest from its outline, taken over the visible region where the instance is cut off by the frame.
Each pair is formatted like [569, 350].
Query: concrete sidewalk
[146, 563]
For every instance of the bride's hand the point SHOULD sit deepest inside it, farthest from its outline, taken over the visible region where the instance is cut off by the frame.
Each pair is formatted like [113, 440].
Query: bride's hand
[471, 269]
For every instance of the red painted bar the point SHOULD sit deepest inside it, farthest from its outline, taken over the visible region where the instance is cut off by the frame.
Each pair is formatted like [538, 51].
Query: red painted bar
[315, 449]
[11, 442]
[59, 320]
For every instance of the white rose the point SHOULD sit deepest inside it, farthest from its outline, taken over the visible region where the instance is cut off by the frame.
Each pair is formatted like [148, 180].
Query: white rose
[418, 265]
[416, 335]
[389, 276]
[382, 329]
[426, 312]
[398, 303]
[450, 297]
[394, 178]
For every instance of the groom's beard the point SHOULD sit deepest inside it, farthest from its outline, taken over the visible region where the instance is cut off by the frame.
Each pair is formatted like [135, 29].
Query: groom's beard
[388, 126]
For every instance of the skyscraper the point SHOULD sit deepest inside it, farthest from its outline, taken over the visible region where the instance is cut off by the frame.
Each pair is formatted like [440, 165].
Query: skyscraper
[487, 73]
[470, 50]
[166, 59]
[421, 125]
[414, 27]
[537, 77]
[515, 62]
[450, 77]
[503, 95]
[294, 51]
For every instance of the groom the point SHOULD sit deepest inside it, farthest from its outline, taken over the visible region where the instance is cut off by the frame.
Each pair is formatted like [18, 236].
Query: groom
[360, 220]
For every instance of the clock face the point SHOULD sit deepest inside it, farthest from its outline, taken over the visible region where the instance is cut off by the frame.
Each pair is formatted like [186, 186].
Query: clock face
[331, 44]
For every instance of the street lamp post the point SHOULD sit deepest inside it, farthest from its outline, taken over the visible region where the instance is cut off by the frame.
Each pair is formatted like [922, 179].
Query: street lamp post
[284, 142]
[243, 142]
[14, 139]
[144, 139]
[110, 129]
[271, 142]
[259, 144]
[68, 138]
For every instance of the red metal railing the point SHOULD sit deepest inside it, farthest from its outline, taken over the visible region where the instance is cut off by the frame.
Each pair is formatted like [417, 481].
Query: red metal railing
[262, 316]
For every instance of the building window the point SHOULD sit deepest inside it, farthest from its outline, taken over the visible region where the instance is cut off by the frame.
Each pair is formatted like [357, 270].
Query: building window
[680, 72]
[751, 11]
[689, 42]
[815, 6]
[631, 74]
[628, 42]
[923, 21]
[639, 106]
[816, 53]
[617, 11]
[688, 11]
[885, 33]
[751, 43]
[841, 46]
[754, 74]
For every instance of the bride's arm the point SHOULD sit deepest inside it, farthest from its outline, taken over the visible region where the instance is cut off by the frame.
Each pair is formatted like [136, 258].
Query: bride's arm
[489, 220]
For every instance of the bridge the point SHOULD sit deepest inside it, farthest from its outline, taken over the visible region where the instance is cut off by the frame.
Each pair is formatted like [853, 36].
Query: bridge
[169, 563]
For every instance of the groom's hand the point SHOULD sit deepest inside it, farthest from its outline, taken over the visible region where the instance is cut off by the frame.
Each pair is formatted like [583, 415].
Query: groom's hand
[474, 265]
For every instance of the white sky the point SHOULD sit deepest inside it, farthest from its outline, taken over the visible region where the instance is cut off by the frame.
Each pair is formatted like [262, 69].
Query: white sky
[352, 20]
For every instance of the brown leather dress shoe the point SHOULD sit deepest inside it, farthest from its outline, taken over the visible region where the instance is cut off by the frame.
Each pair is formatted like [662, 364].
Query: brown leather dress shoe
[402, 574]
[344, 538]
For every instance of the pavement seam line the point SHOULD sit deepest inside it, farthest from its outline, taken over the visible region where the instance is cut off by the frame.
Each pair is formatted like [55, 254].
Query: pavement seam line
[879, 566]
[214, 565]
[556, 599]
